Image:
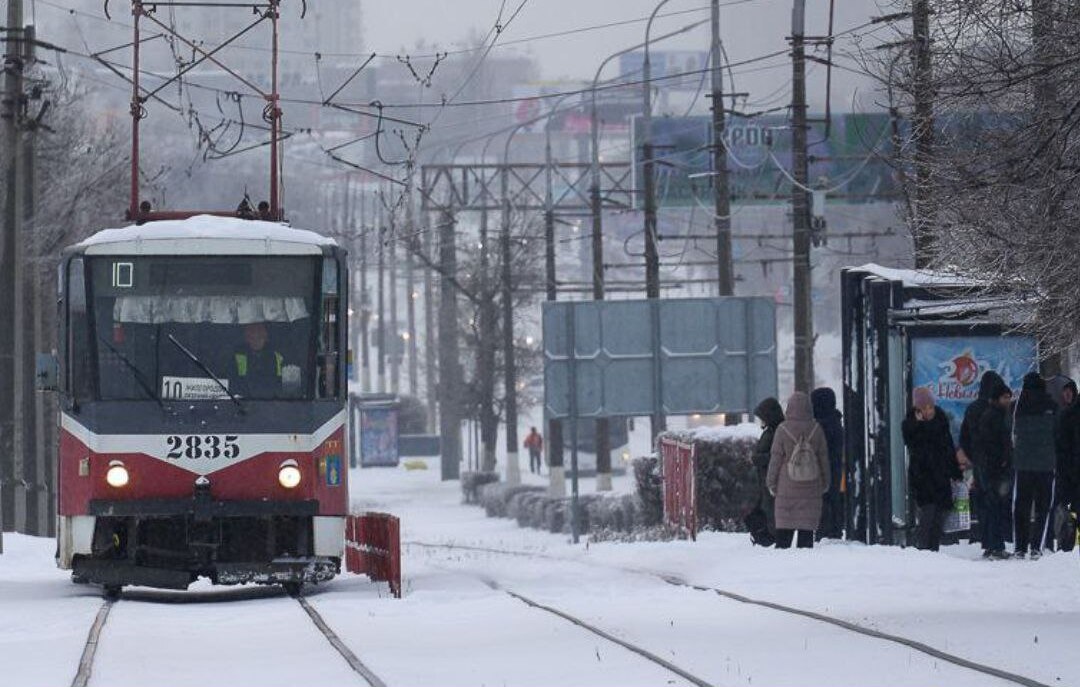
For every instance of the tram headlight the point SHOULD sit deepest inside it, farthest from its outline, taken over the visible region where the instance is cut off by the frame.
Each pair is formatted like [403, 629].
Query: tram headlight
[289, 474]
[117, 475]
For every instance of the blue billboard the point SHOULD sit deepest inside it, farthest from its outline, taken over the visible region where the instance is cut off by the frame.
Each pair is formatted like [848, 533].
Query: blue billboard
[852, 156]
[378, 437]
[951, 367]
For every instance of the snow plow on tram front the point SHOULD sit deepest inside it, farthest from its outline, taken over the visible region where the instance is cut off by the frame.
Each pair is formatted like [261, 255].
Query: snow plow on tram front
[203, 405]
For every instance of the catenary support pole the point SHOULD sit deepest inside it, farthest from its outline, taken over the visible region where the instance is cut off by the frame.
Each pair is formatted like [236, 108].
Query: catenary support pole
[431, 370]
[489, 423]
[394, 340]
[410, 298]
[513, 468]
[380, 311]
[721, 191]
[652, 255]
[922, 130]
[12, 233]
[800, 204]
[450, 413]
[365, 298]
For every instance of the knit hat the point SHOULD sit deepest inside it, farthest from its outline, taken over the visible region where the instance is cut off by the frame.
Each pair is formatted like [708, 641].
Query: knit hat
[922, 397]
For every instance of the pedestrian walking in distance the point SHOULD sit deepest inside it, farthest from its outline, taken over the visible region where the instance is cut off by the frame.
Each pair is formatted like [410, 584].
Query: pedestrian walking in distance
[1034, 429]
[798, 473]
[932, 466]
[993, 460]
[535, 444]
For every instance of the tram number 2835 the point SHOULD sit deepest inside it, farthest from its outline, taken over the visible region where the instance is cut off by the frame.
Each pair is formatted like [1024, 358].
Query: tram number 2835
[196, 446]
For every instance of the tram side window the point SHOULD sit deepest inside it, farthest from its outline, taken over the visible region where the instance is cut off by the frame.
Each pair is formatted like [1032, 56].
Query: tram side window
[79, 359]
[329, 355]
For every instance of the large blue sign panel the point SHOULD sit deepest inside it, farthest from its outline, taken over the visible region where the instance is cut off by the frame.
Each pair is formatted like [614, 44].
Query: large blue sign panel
[378, 437]
[951, 367]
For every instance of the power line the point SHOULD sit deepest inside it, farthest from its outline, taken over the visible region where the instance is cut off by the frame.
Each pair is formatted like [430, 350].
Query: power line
[460, 51]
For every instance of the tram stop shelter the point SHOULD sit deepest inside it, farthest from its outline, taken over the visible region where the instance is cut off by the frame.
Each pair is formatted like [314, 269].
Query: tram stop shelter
[903, 329]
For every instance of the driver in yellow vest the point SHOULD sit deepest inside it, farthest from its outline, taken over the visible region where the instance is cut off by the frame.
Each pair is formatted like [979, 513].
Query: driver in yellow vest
[257, 368]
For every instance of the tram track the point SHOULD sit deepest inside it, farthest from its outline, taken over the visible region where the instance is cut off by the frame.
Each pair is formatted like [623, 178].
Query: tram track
[86, 666]
[676, 581]
[603, 634]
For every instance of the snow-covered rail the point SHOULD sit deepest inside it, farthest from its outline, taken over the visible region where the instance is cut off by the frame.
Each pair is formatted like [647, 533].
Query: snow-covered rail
[855, 628]
[355, 663]
[143, 598]
[640, 651]
[86, 661]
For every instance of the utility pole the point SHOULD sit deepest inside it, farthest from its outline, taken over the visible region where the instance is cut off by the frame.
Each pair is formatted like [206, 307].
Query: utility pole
[36, 466]
[449, 366]
[380, 314]
[430, 368]
[800, 202]
[603, 425]
[10, 396]
[554, 438]
[513, 469]
[489, 423]
[923, 126]
[410, 295]
[1048, 115]
[365, 299]
[652, 255]
[395, 334]
[721, 191]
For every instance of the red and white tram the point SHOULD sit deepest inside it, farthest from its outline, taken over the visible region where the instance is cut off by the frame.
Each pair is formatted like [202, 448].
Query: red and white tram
[203, 405]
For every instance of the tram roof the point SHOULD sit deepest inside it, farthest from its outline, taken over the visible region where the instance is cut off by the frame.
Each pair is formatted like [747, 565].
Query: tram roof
[206, 235]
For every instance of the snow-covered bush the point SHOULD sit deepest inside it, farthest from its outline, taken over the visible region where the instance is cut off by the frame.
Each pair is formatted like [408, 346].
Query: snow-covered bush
[471, 483]
[495, 497]
[727, 484]
[531, 507]
[650, 489]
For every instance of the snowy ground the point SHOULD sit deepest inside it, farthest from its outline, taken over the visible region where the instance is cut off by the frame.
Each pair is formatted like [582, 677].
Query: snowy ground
[452, 628]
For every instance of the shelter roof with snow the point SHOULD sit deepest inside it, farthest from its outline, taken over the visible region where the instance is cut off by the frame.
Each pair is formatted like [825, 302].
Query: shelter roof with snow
[929, 297]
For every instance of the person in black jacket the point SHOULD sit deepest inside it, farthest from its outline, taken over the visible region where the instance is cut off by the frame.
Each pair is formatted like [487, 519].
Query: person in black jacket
[1034, 425]
[832, 423]
[1068, 459]
[993, 460]
[771, 415]
[969, 430]
[932, 465]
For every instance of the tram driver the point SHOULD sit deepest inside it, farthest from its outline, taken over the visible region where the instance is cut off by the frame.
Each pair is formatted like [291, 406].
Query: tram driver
[257, 366]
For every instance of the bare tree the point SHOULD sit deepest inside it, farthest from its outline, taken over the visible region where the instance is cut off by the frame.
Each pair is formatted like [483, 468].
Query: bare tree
[1002, 178]
[483, 334]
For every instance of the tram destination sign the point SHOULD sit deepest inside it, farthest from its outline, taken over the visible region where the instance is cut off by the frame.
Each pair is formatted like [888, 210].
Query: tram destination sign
[675, 356]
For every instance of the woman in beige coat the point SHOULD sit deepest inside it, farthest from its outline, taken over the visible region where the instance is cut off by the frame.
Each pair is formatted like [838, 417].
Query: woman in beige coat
[798, 487]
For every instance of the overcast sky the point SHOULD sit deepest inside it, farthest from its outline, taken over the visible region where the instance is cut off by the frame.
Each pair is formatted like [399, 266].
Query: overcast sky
[749, 29]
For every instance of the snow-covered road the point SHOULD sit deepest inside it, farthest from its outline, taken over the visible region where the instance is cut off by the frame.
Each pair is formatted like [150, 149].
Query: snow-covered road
[454, 628]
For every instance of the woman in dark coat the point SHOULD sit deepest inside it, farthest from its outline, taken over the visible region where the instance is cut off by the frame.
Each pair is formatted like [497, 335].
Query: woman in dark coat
[969, 448]
[832, 423]
[771, 415]
[798, 502]
[932, 465]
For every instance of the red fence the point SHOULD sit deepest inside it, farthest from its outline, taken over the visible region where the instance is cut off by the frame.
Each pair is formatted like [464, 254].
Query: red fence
[680, 495]
[373, 548]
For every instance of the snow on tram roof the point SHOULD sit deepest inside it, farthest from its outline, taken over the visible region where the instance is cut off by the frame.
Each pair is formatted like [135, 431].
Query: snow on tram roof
[206, 234]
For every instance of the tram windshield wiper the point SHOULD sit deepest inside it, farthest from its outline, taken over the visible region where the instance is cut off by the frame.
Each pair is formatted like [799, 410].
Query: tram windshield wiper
[195, 359]
[135, 372]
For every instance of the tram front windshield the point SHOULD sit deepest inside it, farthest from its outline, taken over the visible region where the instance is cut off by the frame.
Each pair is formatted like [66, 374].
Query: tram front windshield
[198, 328]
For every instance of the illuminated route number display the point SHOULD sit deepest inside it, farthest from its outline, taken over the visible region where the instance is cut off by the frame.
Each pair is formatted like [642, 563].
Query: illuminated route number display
[195, 446]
